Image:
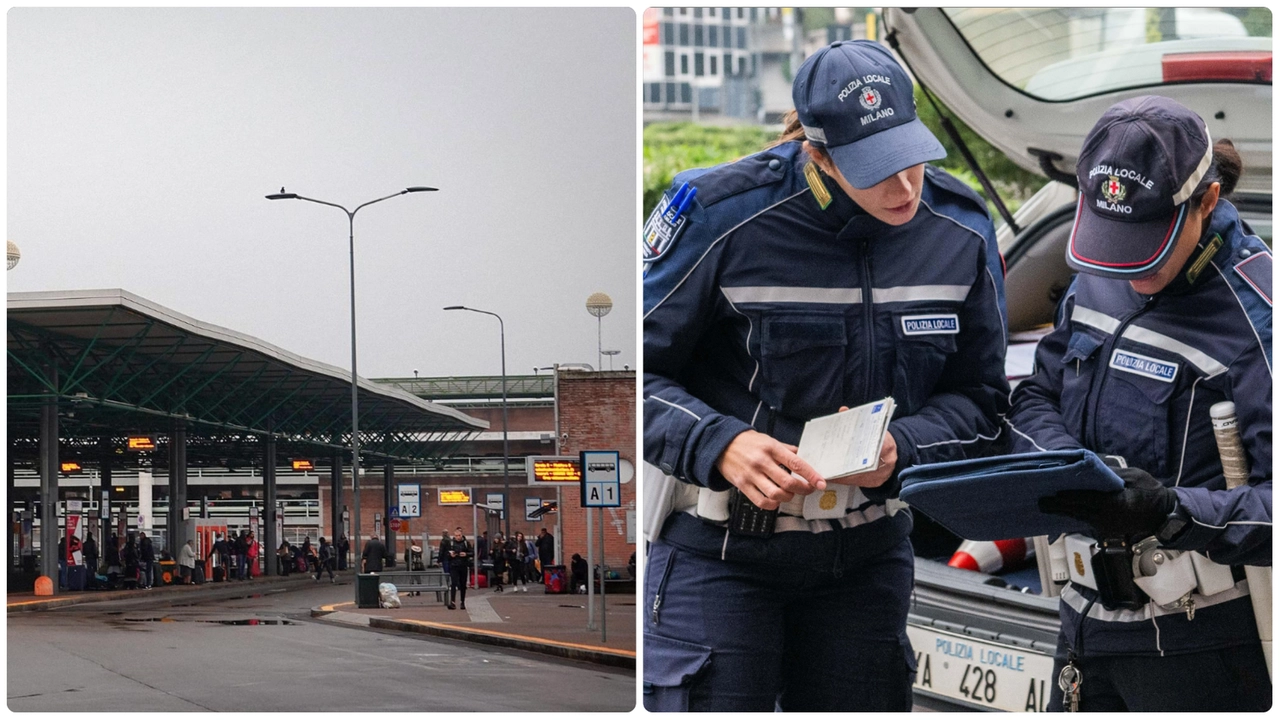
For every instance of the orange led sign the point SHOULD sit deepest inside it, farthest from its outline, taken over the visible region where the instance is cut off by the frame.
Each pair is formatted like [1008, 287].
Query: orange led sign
[142, 442]
[303, 465]
[553, 470]
[71, 467]
[455, 496]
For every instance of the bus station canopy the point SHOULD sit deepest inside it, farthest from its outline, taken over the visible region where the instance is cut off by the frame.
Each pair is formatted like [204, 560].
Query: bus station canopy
[119, 365]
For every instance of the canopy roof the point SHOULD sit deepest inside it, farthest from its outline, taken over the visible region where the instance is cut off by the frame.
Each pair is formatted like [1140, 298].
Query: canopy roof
[119, 364]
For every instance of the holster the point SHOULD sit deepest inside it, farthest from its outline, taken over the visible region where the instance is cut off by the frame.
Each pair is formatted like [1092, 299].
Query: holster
[1113, 571]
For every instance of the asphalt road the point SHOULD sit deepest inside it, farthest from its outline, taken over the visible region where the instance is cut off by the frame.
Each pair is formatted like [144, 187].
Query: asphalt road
[146, 655]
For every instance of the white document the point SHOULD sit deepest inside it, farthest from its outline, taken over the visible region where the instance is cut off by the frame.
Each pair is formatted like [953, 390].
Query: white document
[841, 445]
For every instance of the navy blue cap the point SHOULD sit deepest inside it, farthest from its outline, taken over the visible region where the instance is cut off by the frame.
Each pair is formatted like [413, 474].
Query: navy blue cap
[858, 104]
[1137, 169]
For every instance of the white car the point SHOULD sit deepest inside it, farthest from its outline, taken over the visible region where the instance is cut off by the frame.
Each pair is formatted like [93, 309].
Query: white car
[1033, 82]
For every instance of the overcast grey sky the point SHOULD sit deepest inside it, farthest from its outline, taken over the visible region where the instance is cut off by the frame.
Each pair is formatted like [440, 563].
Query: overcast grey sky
[141, 144]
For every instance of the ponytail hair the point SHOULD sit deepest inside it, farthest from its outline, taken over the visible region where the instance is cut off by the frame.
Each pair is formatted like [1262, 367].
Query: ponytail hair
[1225, 170]
[791, 130]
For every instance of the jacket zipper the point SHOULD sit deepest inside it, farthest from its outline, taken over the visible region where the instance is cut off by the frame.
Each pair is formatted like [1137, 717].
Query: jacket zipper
[1089, 421]
[662, 585]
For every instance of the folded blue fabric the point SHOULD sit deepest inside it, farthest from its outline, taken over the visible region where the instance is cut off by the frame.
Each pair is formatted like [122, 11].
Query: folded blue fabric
[995, 498]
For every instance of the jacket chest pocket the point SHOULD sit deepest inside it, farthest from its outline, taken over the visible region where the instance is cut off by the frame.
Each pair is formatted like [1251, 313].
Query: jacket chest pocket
[802, 363]
[1135, 407]
[924, 341]
[1080, 363]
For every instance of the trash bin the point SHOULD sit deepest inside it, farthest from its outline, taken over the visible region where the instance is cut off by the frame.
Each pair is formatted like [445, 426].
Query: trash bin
[366, 590]
[555, 580]
[168, 571]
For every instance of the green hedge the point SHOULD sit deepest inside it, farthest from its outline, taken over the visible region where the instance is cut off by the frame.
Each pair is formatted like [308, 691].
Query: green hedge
[670, 148]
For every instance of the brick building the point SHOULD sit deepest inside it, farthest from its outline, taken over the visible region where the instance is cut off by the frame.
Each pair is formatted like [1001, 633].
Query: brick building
[561, 413]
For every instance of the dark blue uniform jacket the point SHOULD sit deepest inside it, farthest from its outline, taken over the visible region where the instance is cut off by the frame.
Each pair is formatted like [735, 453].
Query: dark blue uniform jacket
[1134, 375]
[770, 310]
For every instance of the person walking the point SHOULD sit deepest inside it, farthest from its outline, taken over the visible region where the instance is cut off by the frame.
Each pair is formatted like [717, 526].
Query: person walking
[241, 549]
[252, 549]
[325, 560]
[89, 550]
[460, 554]
[1169, 315]
[546, 544]
[373, 556]
[187, 561]
[831, 270]
[498, 556]
[443, 551]
[146, 559]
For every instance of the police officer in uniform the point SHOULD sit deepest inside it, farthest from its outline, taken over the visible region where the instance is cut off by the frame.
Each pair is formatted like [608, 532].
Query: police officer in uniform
[833, 269]
[1170, 314]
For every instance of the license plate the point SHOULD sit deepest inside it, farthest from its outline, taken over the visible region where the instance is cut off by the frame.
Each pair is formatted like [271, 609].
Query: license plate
[980, 674]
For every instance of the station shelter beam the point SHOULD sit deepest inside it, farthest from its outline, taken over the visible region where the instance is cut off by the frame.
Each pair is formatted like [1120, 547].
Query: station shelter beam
[49, 480]
[15, 516]
[335, 495]
[176, 528]
[104, 501]
[269, 500]
[389, 500]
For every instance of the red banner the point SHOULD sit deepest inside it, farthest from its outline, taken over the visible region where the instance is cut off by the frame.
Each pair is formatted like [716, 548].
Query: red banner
[73, 542]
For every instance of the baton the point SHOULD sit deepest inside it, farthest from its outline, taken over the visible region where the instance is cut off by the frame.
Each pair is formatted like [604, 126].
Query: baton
[1235, 469]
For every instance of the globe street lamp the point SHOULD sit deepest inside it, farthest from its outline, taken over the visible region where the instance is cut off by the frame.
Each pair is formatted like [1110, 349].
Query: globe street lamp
[14, 255]
[506, 453]
[599, 305]
[355, 407]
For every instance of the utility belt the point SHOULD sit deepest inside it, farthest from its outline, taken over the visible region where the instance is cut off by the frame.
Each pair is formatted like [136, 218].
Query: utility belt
[1127, 574]
[841, 506]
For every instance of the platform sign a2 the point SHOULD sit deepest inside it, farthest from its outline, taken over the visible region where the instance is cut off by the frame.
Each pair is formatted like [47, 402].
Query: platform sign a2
[601, 481]
[410, 500]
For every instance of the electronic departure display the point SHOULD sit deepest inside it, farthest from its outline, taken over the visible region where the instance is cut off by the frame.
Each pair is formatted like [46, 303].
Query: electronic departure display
[553, 470]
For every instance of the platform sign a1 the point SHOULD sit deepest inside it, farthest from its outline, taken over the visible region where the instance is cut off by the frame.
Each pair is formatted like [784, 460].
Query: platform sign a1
[601, 482]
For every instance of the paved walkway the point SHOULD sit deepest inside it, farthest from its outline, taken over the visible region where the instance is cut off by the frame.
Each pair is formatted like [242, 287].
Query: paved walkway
[533, 620]
[28, 601]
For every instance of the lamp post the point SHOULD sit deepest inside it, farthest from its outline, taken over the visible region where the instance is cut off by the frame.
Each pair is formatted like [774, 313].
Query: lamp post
[599, 305]
[610, 354]
[506, 453]
[355, 407]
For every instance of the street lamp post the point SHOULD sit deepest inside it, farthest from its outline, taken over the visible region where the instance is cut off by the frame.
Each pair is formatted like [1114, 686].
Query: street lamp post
[506, 453]
[355, 407]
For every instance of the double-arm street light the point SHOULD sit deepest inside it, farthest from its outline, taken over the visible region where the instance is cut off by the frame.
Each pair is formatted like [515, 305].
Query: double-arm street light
[506, 453]
[355, 407]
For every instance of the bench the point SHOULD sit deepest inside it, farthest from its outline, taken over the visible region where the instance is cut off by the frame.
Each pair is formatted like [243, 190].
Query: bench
[434, 580]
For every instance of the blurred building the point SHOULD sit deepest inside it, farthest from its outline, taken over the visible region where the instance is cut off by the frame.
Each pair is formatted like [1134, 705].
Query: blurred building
[734, 65]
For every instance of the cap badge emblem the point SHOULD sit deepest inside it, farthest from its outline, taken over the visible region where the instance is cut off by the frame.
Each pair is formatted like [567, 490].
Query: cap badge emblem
[870, 98]
[1113, 190]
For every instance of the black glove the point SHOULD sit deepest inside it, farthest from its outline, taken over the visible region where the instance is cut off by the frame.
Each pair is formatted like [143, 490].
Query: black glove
[1141, 508]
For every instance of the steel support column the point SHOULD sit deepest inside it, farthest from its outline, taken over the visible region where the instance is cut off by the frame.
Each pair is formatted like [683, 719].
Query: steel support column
[335, 496]
[104, 506]
[389, 501]
[268, 548]
[14, 516]
[177, 530]
[49, 487]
